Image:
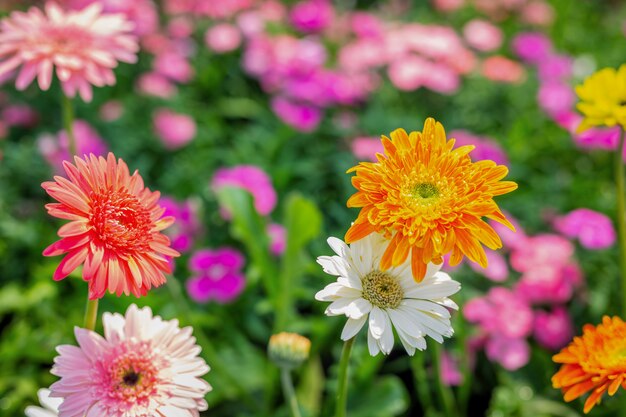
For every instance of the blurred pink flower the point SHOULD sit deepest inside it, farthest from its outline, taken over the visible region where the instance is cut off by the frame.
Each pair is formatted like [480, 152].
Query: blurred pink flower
[532, 47]
[598, 138]
[432, 41]
[482, 35]
[175, 130]
[510, 239]
[187, 226]
[155, 84]
[441, 78]
[365, 148]
[311, 16]
[252, 179]
[449, 370]
[302, 117]
[555, 67]
[549, 283]
[501, 312]
[19, 115]
[174, 66]
[408, 73]
[367, 25]
[594, 230]
[84, 47]
[497, 269]
[180, 27]
[553, 330]
[278, 238]
[538, 12]
[111, 110]
[362, 54]
[55, 148]
[501, 69]
[486, 148]
[217, 275]
[543, 249]
[511, 353]
[448, 5]
[222, 38]
[556, 97]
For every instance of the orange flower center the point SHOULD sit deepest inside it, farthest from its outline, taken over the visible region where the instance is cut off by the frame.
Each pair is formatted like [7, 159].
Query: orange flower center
[120, 221]
[65, 40]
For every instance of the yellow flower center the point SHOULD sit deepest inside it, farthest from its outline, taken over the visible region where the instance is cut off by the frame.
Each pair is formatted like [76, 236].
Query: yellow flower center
[382, 289]
[425, 190]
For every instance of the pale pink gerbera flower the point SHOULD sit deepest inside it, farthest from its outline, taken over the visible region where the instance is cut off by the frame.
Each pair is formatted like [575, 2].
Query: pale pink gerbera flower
[143, 367]
[84, 46]
[114, 230]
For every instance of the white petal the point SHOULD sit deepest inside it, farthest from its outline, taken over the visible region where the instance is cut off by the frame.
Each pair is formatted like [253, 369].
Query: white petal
[352, 327]
[386, 341]
[339, 247]
[372, 345]
[358, 308]
[47, 401]
[427, 306]
[377, 322]
[32, 411]
[438, 289]
[338, 307]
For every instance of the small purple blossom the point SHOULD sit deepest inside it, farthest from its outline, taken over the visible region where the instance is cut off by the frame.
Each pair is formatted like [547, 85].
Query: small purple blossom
[217, 275]
[252, 179]
[593, 230]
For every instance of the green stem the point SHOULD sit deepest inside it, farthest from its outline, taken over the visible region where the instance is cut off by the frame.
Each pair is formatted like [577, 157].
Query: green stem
[421, 382]
[289, 392]
[445, 393]
[342, 386]
[91, 314]
[621, 227]
[208, 350]
[68, 124]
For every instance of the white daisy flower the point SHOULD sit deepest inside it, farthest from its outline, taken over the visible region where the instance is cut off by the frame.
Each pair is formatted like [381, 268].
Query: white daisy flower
[50, 405]
[387, 299]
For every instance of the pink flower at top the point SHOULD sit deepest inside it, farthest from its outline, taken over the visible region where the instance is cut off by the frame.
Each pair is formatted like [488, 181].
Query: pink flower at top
[174, 129]
[155, 84]
[84, 47]
[311, 16]
[482, 35]
[554, 329]
[252, 179]
[55, 149]
[302, 117]
[184, 231]
[222, 38]
[366, 148]
[217, 275]
[594, 230]
[485, 148]
[278, 238]
[532, 47]
[143, 366]
[501, 69]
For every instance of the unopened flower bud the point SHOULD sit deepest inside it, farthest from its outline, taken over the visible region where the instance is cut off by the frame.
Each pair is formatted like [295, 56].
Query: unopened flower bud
[288, 350]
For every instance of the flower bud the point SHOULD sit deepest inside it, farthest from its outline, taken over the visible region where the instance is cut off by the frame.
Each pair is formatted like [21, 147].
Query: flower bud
[288, 350]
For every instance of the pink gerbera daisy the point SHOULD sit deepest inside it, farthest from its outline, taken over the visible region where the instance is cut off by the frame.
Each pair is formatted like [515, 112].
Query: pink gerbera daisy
[84, 46]
[143, 367]
[114, 230]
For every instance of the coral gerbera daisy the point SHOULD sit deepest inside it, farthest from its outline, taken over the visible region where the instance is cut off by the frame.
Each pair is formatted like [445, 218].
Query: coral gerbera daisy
[428, 199]
[594, 362]
[386, 299]
[603, 98]
[114, 230]
[84, 46]
[144, 366]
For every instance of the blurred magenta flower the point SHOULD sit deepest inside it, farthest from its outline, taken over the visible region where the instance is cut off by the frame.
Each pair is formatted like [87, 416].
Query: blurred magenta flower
[365, 148]
[592, 229]
[19, 115]
[173, 65]
[55, 148]
[216, 275]
[510, 353]
[497, 269]
[252, 179]
[482, 35]
[366, 25]
[555, 67]
[408, 73]
[448, 5]
[449, 370]
[174, 129]
[510, 239]
[542, 249]
[278, 238]
[180, 27]
[302, 117]
[486, 148]
[501, 69]
[222, 38]
[532, 47]
[311, 16]
[548, 283]
[187, 226]
[556, 97]
[84, 46]
[155, 84]
[553, 329]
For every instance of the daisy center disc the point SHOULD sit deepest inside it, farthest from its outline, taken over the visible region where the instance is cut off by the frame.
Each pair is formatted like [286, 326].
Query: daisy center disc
[382, 290]
[425, 190]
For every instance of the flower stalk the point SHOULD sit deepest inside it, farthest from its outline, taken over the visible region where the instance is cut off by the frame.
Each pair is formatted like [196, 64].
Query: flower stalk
[68, 124]
[91, 314]
[289, 392]
[621, 216]
[342, 386]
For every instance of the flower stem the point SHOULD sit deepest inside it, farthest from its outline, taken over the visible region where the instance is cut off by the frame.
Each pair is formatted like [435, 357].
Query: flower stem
[342, 386]
[621, 219]
[91, 314]
[445, 394]
[68, 124]
[289, 392]
[421, 381]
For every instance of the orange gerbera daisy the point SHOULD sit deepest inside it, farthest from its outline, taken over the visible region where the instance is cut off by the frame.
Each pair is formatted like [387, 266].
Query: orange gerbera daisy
[429, 199]
[594, 362]
[114, 230]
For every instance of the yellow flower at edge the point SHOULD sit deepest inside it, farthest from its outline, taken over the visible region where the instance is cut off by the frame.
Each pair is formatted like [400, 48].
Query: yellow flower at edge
[603, 98]
[594, 362]
[428, 199]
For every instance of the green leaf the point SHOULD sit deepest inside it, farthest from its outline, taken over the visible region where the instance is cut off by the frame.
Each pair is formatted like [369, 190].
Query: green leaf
[385, 398]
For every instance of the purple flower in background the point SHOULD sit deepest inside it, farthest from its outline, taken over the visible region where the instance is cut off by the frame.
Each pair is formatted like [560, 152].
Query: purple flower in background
[532, 47]
[55, 148]
[511, 353]
[556, 97]
[486, 148]
[497, 269]
[217, 275]
[598, 138]
[593, 230]
[449, 370]
[19, 115]
[367, 148]
[278, 238]
[553, 330]
[555, 67]
[174, 66]
[155, 84]
[311, 16]
[175, 130]
[302, 117]
[252, 179]
[186, 228]
[223, 38]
